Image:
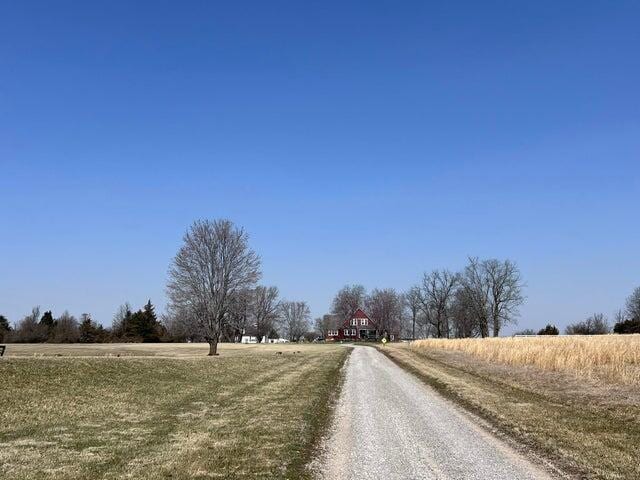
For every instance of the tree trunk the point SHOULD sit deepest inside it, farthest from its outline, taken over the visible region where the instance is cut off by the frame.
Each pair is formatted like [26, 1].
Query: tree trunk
[496, 326]
[413, 335]
[213, 347]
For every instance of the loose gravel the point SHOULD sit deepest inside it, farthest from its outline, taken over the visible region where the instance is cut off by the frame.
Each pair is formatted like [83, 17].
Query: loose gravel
[389, 425]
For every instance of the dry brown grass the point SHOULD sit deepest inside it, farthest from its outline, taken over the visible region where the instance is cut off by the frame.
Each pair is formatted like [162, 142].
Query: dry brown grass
[612, 358]
[163, 411]
[174, 350]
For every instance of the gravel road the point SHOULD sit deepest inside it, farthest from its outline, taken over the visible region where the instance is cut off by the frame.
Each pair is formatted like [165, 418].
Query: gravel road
[389, 425]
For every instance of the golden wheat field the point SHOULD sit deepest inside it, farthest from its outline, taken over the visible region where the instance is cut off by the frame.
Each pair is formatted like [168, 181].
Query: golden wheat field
[613, 358]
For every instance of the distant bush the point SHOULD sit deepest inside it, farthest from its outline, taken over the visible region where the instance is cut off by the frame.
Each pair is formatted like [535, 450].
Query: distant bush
[5, 328]
[526, 331]
[627, 326]
[594, 325]
[29, 329]
[549, 330]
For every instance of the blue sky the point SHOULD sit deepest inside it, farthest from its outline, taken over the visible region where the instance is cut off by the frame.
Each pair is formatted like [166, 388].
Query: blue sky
[357, 142]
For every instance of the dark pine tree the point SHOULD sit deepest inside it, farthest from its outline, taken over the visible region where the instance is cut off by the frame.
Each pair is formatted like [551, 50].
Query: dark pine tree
[149, 325]
[143, 325]
[92, 332]
[47, 322]
[549, 330]
[631, 325]
[47, 319]
[5, 328]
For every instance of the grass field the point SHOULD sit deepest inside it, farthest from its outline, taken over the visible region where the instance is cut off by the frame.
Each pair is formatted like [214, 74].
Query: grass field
[581, 415]
[164, 411]
[610, 358]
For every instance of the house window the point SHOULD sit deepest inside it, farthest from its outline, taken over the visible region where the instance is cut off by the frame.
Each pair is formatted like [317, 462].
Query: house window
[332, 333]
[354, 321]
[363, 321]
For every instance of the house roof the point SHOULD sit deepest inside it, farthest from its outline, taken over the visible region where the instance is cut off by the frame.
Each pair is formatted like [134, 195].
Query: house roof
[359, 314]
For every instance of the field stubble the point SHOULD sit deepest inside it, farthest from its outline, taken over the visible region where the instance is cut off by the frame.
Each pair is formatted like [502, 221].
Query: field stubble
[163, 411]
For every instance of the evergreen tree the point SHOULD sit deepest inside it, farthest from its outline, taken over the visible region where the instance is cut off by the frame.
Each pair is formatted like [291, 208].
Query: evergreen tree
[92, 332]
[5, 328]
[143, 325]
[630, 325]
[47, 319]
[549, 330]
[148, 325]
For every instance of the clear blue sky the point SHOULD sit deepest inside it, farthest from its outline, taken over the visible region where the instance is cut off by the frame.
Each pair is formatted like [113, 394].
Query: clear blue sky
[357, 142]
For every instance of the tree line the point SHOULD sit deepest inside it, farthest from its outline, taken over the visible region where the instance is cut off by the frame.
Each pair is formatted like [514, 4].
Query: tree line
[257, 311]
[128, 326]
[475, 302]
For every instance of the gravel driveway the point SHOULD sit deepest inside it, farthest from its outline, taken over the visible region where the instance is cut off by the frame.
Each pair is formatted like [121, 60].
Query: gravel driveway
[389, 425]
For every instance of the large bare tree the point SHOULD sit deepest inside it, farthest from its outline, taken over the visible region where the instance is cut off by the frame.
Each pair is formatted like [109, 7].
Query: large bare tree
[438, 289]
[463, 321]
[264, 310]
[213, 264]
[476, 294]
[633, 305]
[385, 308]
[505, 291]
[295, 318]
[492, 293]
[348, 300]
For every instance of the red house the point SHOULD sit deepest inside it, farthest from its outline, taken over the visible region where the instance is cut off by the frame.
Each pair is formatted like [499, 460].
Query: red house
[357, 328]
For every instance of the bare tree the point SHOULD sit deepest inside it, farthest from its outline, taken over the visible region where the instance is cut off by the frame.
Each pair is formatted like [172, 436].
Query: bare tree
[385, 308]
[29, 330]
[477, 293]
[463, 322]
[413, 302]
[264, 310]
[633, 305]
[596, 324]
[438, 289]
[213, 264]
[238, 316]
[324, 324]
[66, 329]
[348, 300]
[295, 319]
[505, 291]
[120, 319]
[180, 327]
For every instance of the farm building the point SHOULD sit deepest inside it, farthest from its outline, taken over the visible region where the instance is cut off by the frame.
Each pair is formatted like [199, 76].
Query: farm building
[358, 328]
[250, 335]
